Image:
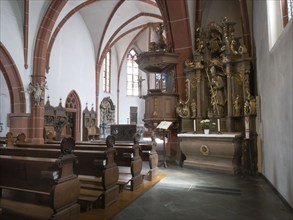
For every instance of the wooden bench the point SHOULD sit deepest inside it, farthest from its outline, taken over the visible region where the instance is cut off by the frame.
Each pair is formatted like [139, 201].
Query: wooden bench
[147, 151]
[127, 158]
[45, 181]
[96, 170]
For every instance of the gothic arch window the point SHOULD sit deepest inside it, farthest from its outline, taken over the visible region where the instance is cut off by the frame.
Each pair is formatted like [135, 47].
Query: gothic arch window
[275, 21]
[71, 101]
[279, 13]
[73, 111]
[107, 73]
[287, 11]
[132, 73]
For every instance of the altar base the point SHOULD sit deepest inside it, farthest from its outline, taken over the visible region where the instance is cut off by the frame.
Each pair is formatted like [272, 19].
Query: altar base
[217, 152]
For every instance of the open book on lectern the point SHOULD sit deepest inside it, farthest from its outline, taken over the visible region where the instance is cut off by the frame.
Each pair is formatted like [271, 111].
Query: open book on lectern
[164, 125]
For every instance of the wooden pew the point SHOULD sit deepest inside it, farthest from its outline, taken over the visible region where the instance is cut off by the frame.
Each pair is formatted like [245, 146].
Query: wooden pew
[98, 173]
[147, 151]
[127, 158]
[96, 170]
[47, 181]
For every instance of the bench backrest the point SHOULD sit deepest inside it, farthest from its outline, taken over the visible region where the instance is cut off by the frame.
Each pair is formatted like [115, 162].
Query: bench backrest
[48, 176]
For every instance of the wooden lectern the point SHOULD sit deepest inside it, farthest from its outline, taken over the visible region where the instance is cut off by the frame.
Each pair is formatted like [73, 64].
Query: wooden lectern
[162, 129]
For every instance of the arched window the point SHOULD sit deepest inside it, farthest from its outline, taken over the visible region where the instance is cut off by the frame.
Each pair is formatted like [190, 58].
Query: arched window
[132, 73]
[107, 73]
[279, 13]
[287, 11]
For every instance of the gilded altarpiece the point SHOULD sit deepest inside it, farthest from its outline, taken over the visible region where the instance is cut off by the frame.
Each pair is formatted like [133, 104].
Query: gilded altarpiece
[218, 89]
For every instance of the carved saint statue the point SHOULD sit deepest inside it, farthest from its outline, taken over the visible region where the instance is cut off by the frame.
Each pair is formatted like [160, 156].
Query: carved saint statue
[236, 106]
[252, 106]
[193, 108]
[218, 99]
[37, 91]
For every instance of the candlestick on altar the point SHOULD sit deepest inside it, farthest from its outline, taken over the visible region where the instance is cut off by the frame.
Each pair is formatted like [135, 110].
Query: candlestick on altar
[219, 126]
[194, 126]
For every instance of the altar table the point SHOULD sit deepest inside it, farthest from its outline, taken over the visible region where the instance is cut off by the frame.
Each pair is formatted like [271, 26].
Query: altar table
[217, 152]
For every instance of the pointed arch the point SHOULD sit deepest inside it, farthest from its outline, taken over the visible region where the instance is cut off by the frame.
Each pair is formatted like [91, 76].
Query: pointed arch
[13, 81]
[73, 111]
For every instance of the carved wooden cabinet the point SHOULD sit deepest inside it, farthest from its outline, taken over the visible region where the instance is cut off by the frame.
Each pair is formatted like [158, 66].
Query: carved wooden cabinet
[218, 152]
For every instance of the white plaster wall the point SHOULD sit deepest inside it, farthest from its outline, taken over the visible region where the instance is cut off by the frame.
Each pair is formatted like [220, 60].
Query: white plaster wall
[11, 35]
[127, 101]
[215, 11]
[72, 64]
[274, 76]
[114, 80]
[123, 116]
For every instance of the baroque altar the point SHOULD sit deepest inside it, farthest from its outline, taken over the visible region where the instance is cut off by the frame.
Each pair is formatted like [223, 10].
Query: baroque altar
[218, 88]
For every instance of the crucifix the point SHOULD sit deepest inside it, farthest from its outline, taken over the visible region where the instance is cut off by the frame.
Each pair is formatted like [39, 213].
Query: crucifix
[140, 79]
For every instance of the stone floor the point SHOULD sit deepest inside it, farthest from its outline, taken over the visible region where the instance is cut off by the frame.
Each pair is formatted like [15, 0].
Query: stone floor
[186, 193]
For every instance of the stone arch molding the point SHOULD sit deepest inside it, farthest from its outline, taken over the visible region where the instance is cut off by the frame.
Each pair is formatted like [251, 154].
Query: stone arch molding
[13, 81]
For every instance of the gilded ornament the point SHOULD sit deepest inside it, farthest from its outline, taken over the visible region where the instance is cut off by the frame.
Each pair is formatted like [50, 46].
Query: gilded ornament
[204, 150]
[189, 64]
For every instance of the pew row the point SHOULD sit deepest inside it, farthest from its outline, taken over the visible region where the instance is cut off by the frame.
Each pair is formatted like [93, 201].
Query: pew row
[147, 151]
[96, 170]
[46, 181]
[127, 158]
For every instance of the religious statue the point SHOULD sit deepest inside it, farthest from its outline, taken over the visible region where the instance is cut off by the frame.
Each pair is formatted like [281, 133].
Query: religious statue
[236, 106]
[214, 42]
[193, 108]
[252, 106]
[246, 107]
[161, 43]
[139, 80]
[218, 99]
[37, 91]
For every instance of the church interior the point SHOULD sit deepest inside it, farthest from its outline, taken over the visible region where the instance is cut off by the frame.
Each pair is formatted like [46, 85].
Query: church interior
[139, 109]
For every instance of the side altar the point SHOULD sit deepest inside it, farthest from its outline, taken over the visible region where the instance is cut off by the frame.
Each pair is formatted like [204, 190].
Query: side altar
[218, 152]
[220, 96]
